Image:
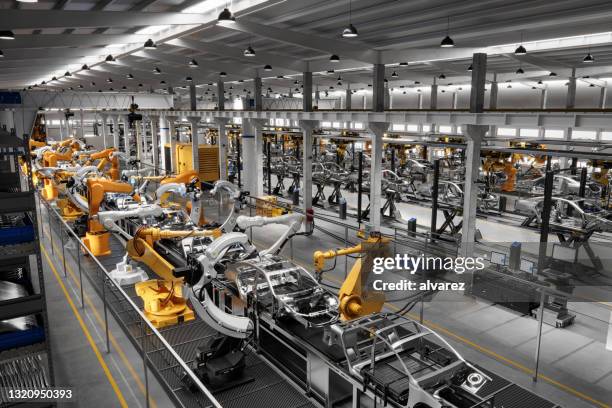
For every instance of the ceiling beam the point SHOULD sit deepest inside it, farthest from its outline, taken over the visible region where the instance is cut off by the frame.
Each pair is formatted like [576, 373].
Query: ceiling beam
[205, 66]
[351, 49]
[43, 19]
[225, 51]
[30, 41]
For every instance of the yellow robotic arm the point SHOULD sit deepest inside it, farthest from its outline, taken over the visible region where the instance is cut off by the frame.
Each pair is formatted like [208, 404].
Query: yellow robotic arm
[50, 159]
[355, 300]
[140, 248]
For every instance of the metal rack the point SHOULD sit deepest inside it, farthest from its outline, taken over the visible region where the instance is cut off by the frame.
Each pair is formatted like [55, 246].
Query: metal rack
[25, 353]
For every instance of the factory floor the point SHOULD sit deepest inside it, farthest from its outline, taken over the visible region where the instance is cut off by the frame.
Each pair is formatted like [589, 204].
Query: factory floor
[575, 367]
[78, 341]
[575, 363]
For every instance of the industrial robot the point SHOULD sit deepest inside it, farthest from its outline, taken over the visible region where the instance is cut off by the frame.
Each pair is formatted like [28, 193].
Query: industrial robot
[355, 300]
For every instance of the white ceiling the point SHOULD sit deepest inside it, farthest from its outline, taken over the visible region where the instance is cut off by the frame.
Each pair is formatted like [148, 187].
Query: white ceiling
[55, 36]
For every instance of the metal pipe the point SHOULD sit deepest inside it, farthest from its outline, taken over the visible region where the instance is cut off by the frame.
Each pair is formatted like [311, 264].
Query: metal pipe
[539, 340]
[269, 166]
[359, 188]
[434, 198]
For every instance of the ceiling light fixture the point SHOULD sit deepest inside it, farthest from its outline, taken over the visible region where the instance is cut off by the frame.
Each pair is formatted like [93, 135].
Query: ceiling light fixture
[403, 64]
[150, 45]
[110, 58]
[162, 82]
[589, 58]
[129, 76]
[520, 71]
[447, 42]
[394, 75]
[350, 31]
[85, 67]
[226, 16]
[7, 35]
[222, 74]
[552, 74]
[268, 67]
[442, 76]
[470, 68]
[156, 71]
[193, 63]
[67, 74]
[520, 50]
[189, 79]
[334, 58]
[109, 80]
[249, 52]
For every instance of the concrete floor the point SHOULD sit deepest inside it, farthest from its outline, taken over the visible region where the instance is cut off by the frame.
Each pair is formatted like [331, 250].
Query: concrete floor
[575, 366]
[75, 359]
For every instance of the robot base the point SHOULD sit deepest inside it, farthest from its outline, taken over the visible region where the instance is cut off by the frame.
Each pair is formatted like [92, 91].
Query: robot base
[126, 274]
[164, 304]
[219, 364]
[97, 243]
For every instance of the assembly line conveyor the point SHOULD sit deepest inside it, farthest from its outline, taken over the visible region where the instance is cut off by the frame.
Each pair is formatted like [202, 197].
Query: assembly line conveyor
[292, 348]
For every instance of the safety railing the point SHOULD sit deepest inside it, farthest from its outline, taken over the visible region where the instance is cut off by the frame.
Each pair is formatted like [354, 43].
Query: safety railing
[157, 353]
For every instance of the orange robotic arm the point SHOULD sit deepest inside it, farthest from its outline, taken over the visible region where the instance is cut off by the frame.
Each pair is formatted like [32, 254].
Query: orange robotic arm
[97, 238]
[183, 178]
[97, 187]
[102, 154]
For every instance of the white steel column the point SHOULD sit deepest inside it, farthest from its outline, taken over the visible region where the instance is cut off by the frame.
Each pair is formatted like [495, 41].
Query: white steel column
[378, 88]
[257, 94]
[307, 127]
[115, 121]
[82, 122]
[378, 129]
[307, 92]
[603, 94]
[570, 103]
[138, 129]
[104, 130]
[348, 103]
[172, 135]
[195, 142]
[252, 151]
[126, 135]
[222, 142]
[474, 134]
[154, 143]
[164, 136]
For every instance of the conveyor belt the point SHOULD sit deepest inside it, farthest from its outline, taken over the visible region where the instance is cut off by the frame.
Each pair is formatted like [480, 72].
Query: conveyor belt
[509, 395]
[269, 388]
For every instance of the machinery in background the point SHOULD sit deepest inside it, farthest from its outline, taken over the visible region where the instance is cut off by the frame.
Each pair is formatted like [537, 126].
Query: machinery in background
[209, 160]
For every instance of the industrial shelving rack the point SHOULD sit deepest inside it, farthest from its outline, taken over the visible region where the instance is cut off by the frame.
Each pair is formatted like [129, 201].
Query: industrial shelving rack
[25, 355]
